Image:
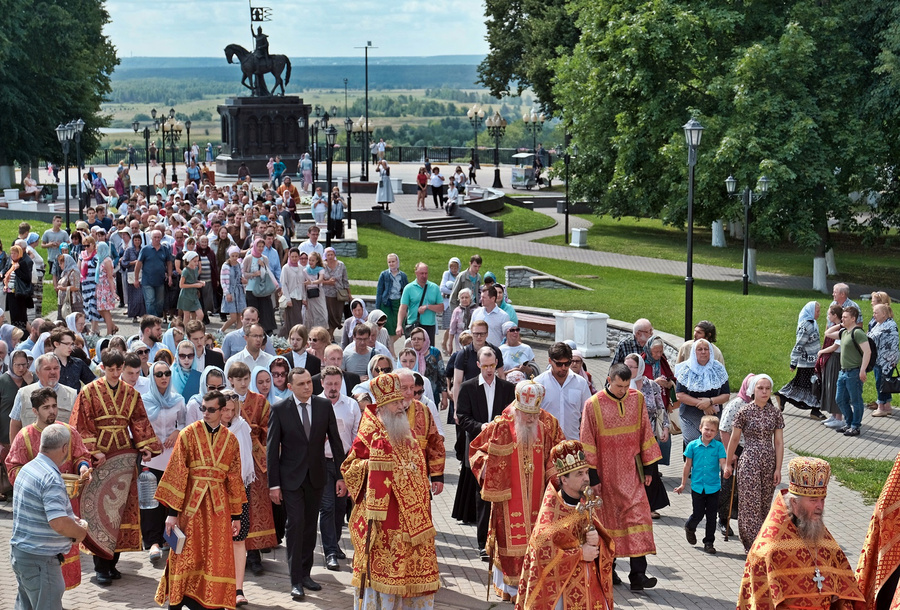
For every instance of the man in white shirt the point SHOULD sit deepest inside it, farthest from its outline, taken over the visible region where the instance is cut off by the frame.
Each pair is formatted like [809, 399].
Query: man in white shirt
[517, 356]
[47, 369]
[252, 355]
[312, 242]
[236, 340]
[565, 392]
[151, 334]
[332, 509]
[131, 374]
[490, 313]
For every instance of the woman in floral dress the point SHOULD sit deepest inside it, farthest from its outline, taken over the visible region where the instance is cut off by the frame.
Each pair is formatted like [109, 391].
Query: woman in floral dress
[759, 468]
[106, 289]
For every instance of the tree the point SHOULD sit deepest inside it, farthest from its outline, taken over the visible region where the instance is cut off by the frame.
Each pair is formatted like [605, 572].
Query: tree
[525, 37]
[780, 89]
[55, 66]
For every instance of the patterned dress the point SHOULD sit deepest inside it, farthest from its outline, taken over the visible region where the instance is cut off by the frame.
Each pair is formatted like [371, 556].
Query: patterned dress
[106, 293]
[89, 291]
[756, 467]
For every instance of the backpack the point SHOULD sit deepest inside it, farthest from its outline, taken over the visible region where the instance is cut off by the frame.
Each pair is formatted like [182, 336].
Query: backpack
[872, 348]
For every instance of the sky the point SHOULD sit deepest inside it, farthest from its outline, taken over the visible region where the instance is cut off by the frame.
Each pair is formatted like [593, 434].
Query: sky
[164, 28]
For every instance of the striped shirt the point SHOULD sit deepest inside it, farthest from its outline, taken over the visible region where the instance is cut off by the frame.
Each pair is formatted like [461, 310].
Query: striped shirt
[40, 496]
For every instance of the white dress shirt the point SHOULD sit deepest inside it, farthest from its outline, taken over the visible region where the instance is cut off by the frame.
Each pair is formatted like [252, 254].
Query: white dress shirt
[489, 391]
[495, 319]
[565, 402]
[348, 416]
[263, 360]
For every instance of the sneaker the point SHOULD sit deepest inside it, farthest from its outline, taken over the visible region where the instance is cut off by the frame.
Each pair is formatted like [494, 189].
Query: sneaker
[852, 432]
[835, 424]
[690, 534]
[708, 548]
[829, 420]
[842, 429]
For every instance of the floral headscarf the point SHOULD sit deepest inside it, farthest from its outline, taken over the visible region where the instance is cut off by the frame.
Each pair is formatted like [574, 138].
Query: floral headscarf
[701, 378]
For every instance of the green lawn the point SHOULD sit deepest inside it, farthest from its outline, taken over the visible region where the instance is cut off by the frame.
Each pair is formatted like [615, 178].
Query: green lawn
[648, 237]
[522, 220]
[755, 332]
[859, 474]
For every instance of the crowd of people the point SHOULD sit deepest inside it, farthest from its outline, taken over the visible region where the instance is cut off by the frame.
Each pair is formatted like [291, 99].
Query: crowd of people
[315, 414]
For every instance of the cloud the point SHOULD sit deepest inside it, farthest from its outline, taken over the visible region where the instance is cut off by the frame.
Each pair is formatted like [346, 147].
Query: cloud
[307, 28]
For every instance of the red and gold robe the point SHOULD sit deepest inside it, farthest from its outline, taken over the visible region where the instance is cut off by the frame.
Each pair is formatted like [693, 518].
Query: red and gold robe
[422, 425]
[513, 482]
[110, 423]
[391, 491]
[617, 438]
[203, 483]
[554, 567]
[25, 448]
[780, 568]
[880, 556]
[255, 410]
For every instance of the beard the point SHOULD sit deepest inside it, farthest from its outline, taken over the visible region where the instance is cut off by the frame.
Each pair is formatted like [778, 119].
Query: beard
[809, 528]
[397, 426]
[526, 432]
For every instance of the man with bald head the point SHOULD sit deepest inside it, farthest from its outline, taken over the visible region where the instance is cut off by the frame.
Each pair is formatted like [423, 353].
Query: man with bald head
[153, 271]
[634, 344]
[419, 303]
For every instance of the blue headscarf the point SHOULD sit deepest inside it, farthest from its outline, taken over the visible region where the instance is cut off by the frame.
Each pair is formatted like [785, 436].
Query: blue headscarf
[155, 400]
[807, 313]
[256, 371]
[181, 377]
[102, 255]
[276, 395]
[168, 341]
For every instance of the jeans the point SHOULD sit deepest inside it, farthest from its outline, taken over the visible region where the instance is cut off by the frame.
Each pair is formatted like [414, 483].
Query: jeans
[154, 299]
[40, 580]
[849, 392]
[880, 376]
[704, 505]
[331, 512]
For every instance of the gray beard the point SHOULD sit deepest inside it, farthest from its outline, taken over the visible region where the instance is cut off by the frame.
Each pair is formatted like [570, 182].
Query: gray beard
[810, 531]
[526, 434]
[397, 427]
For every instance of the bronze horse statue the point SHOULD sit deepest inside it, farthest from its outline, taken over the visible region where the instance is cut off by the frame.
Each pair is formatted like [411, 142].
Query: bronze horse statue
[251, 68]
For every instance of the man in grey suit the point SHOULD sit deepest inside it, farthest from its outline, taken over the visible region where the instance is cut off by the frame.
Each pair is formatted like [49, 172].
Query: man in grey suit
[295, 455]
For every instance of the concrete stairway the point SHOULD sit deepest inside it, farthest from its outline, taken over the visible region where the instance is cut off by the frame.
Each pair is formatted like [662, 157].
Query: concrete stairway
[448, 227]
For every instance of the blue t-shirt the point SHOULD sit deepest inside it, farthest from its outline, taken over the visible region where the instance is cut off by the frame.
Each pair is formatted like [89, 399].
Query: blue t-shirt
[705, 465]
[412, 294]
[154, 264]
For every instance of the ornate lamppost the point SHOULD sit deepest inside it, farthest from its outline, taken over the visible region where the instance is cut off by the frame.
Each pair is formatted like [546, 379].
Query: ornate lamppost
[362, 131]
[187, 127]
[65, 134]
[330, 137]
[693, 132]
[476, 118]
[79, 127]
[348, 126]
[496, 127]
[747, 197]
[171, 136]
[146, 133]
[534, 123]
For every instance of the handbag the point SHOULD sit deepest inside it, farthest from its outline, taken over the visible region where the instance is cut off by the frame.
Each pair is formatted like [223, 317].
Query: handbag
[267, 283]
[312, 293]
[343, 294]
[891, 383]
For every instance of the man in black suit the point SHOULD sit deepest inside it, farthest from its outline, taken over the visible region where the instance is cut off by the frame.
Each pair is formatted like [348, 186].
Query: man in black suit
[295, 455]
[298, 356]
[334, 356]
[474, 411]
[203, 356]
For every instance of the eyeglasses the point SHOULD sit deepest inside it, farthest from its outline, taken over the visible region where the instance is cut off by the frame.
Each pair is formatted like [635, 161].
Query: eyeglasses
[209, 409]
[143, 352]
[313, 340]
[274, 374]
[386, 369]
[562, 363]
[479, 334]
[161, 374]
[210, 388]
[185, 356]
[67, 343]
[487, 366]
[513, 330]
[578, 361]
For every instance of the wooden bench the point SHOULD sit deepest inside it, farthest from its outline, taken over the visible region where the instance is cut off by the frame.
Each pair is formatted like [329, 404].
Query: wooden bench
[537, 323]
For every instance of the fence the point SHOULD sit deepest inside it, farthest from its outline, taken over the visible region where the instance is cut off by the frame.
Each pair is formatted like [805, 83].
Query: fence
[395, 154]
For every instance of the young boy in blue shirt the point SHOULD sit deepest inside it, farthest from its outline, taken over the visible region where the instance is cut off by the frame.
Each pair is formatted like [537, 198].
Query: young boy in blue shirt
[702, 460]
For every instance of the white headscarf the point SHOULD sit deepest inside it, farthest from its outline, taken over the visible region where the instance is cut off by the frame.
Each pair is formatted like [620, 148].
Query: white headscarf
[751, 386]
[701, 378]
[241, 430]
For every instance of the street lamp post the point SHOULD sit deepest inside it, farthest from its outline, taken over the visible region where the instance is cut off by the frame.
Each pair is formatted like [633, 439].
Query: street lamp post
[330, 137]
[79, 127]
[747, 197]
[65, 133]
[534, 123]
[496, 127]
[187, 127]
[171, 135]
[146, 133]
[314, 130]
[693, 131]
[348, 126]
[476, 118]
[362, 130]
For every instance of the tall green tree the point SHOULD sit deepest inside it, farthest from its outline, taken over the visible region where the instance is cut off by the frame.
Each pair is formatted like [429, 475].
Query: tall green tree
[55, 66]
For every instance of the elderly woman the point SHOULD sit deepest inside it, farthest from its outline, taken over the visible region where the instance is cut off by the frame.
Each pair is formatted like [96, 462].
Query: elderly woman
[798, 391]
[260, 282]
[659, 421]
[702, 389]
[429, 364]
[17, 284]
[68, 286]
[884, 333]
[134, 296]
[759, 469]
[293, 292]
[656, 367]
[336, 286]
[447, 281]
[318, 341]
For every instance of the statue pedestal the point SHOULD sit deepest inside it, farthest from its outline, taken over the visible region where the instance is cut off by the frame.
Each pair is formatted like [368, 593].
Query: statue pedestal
[256, 128]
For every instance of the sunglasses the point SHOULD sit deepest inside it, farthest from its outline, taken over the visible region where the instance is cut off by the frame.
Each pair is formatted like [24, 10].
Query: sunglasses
[209, 409]
[513, 330]
[185, 356]
[386, 369]
[210, 388]
[161, 374]
[142, 352]
[562, 363]
[279, 374]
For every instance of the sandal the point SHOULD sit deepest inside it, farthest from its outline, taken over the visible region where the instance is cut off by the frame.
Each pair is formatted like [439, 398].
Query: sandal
[240, 600]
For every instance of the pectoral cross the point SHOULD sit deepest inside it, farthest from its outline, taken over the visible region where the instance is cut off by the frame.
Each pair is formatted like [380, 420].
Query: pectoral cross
[818, 579]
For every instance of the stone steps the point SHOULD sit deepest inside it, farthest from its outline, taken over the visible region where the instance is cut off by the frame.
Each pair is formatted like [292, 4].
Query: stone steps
[448, 227]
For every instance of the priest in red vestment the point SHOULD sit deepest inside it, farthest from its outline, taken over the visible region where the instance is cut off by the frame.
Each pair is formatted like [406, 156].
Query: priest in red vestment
[204, 493]
[570, 553]
[618, 441]
[511, 461]
[878, 569]
[394, 563]
[111, 419]
[794, 561]
[25, 448]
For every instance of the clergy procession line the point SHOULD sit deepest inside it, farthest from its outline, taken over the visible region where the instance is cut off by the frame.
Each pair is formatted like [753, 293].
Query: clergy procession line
[234, 450]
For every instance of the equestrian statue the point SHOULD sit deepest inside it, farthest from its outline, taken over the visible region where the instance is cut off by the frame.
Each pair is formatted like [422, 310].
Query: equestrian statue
[258, 63]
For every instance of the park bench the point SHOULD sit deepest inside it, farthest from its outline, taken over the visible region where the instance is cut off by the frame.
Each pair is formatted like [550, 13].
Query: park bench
[537, 323]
